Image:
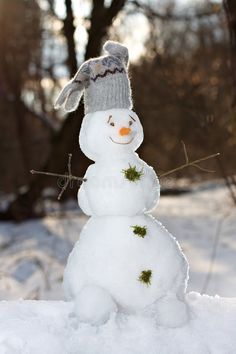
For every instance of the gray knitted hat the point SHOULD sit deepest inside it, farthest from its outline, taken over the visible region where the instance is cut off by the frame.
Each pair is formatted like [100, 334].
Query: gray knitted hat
[103, 81]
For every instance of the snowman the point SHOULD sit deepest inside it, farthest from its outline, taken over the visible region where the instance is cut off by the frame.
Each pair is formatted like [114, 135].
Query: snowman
[125, 260]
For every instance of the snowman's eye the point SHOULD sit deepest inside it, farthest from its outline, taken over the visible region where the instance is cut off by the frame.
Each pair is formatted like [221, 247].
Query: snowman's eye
[130, 122]
[110, 121]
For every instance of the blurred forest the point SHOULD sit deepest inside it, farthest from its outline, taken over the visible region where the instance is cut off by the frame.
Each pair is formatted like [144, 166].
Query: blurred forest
[183, 79]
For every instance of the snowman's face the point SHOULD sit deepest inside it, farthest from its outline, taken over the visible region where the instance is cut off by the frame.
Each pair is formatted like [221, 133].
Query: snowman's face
[111, 132]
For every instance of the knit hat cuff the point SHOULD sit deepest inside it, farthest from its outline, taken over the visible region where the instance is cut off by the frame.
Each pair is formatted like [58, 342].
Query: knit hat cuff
[110, 92]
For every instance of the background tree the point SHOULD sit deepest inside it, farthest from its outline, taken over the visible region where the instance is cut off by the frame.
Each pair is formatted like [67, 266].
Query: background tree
[23, 132]
[230, 9]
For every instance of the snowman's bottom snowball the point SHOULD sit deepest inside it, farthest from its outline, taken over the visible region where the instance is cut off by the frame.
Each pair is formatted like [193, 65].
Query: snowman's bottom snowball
[94, 305]
[170, 312]
[136, 271]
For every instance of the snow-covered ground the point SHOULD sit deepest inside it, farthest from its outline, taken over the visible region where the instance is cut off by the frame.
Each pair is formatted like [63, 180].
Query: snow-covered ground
[204, 222]
[33, 254]
[48, 327]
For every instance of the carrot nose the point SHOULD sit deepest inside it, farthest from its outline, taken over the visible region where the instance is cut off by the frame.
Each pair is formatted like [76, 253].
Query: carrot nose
[124, 131]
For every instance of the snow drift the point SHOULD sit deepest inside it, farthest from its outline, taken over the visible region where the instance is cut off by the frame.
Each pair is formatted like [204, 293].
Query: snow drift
[48, 327]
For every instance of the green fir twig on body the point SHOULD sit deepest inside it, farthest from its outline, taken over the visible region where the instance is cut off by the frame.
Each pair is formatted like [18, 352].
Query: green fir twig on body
[132, 174]
[145, 277]
[140, 231]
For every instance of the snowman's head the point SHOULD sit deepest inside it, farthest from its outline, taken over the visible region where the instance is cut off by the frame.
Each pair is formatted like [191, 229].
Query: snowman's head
[111, 132]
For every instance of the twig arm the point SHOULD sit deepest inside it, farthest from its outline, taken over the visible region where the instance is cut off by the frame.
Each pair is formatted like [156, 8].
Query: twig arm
[191, 163]
[68, 177]
[71, 177]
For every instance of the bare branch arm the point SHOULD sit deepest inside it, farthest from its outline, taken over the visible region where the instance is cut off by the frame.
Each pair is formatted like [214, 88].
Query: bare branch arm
[68, 177]
[33, 172]
[191, 163]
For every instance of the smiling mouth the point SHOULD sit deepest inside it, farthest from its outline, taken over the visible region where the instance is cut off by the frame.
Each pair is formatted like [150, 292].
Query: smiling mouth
[116, 142]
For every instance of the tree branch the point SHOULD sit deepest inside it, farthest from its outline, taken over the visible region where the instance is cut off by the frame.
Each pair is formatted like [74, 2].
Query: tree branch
[100, 21]
[151, 13]
[185, 152]
[115, 7]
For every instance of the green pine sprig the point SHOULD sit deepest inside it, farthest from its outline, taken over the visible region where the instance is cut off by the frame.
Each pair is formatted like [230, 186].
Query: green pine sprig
[132, 174]
[140, 231]
[145, 277]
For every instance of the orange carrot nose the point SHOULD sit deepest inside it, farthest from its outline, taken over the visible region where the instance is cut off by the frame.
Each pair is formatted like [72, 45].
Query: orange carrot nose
[124, 131]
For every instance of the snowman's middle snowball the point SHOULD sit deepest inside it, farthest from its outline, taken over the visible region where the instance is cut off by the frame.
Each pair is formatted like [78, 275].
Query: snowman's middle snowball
[114, 187]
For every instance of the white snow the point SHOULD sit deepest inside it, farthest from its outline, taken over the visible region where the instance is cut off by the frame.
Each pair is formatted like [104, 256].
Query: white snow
[202, 221]
[113, 257]
[94, 305]
[108, 192]
[36, 327]
[99, 136]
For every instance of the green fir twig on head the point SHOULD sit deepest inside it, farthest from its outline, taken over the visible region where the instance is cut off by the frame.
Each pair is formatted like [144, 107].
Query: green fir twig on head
[145, 277]
[140, 231]
[132, 174]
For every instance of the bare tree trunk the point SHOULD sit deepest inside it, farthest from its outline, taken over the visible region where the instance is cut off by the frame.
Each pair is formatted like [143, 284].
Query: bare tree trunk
[101, 20]
[230, 10]
[69, 31]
